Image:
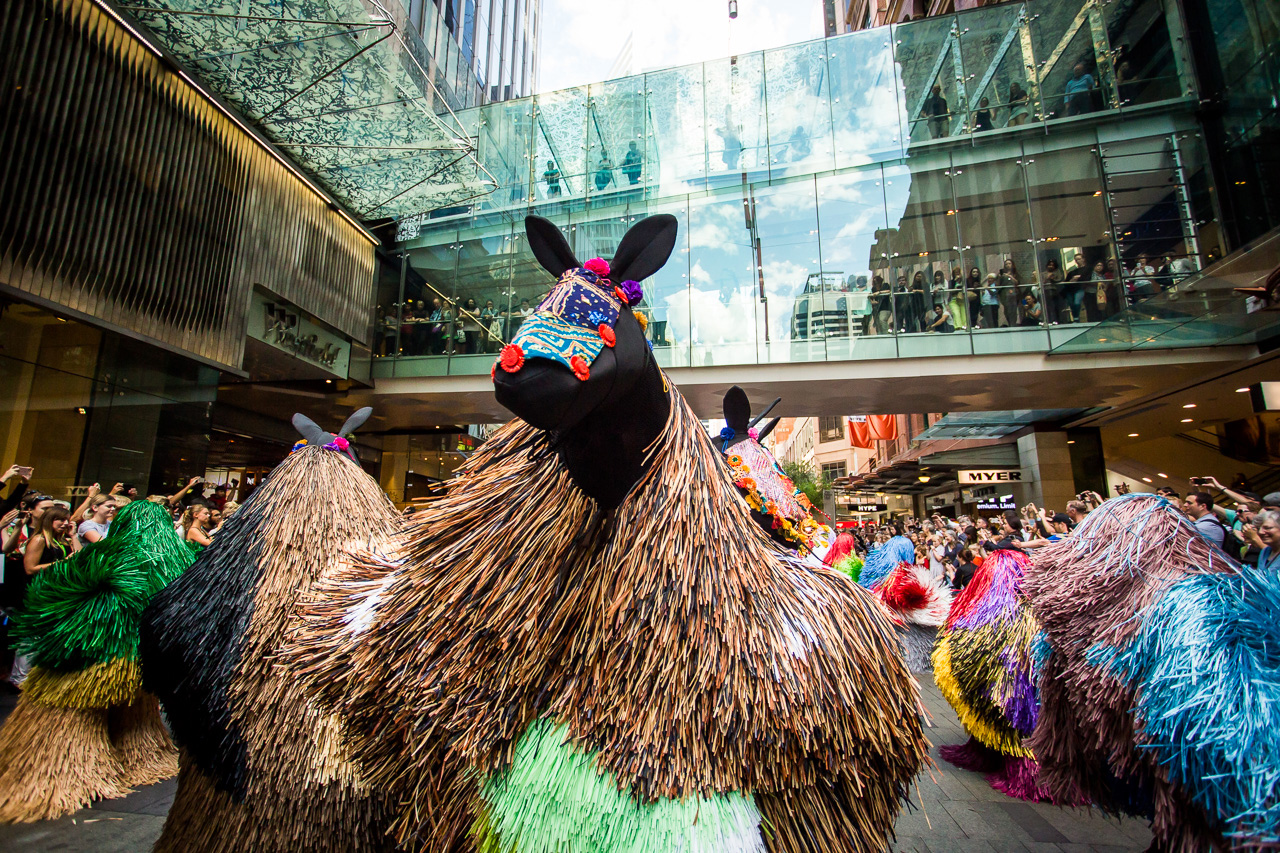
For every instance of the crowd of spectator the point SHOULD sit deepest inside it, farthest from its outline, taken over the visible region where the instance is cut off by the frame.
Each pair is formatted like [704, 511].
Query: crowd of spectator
[953, 548]
[37, 530]
[952, 300]
[450, 326]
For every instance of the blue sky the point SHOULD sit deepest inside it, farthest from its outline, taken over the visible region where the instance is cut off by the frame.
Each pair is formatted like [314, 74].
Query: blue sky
[582, 38]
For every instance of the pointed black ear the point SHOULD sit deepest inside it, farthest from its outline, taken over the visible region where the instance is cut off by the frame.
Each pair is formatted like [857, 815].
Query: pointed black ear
[766, 429]
[357, 419]
[549, 246]
[758, 418]
[309, 430]
[737, 410]
[644, 249]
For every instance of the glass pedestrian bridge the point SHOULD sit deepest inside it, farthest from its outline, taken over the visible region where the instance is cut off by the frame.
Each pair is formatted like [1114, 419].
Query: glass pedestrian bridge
[992, 181]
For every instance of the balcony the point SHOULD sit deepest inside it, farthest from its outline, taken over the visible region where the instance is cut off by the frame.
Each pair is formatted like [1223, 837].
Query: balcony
[808, 178]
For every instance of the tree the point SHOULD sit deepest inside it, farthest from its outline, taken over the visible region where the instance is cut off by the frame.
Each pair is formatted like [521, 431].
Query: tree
[812, 483]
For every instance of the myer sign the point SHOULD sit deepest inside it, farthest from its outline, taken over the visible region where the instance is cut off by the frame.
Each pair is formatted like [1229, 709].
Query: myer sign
[982, 478]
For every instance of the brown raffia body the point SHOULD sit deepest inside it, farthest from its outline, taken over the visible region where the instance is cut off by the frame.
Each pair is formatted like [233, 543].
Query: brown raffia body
[54, 761]
[1084, 737]
[670, 636]
[298, 788]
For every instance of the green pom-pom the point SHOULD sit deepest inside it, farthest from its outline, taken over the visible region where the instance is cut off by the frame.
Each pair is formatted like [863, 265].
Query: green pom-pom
[86, 609]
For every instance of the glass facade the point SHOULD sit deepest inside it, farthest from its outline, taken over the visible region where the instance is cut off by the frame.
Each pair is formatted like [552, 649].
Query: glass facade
[82, 405]
[922, 189]
[481, 50]
[1240, 69]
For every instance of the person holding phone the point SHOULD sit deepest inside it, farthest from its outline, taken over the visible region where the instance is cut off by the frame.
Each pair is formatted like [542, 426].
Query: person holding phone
[22, 474]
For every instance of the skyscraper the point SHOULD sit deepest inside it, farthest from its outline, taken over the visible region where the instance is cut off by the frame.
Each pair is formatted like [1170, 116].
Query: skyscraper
[484, 50]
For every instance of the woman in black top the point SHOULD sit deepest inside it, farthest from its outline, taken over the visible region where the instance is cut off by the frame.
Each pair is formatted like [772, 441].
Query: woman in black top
[964, 572]
[982, 116]
[919, 306]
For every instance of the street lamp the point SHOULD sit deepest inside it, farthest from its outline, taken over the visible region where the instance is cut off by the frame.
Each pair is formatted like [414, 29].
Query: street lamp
[733, 9]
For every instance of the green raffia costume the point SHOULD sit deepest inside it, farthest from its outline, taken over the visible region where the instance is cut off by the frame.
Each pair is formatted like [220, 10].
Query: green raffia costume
[83, 728]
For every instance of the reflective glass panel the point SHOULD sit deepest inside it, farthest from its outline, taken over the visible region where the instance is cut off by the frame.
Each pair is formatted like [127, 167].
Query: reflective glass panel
[724, 313]
[851, 225]
[676, 129]
[867, 108]
[560, 158]
[996, 49]
[798, 86]
[928, 57]
[737, 123]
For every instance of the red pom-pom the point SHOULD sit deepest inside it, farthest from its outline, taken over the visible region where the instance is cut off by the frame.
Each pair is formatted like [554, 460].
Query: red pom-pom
[606, 335]
[599, 266]
[493, 372]
[512, 358]
[580, 368]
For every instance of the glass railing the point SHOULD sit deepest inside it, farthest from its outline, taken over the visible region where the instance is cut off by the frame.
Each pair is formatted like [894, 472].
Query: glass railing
[870, 96]
[820, 218]
[1200, 310]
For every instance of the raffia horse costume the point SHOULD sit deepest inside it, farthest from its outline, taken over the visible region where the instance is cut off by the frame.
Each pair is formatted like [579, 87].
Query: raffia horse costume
[589, 645]
[1160, 678]
[263, 766]
[84, 729]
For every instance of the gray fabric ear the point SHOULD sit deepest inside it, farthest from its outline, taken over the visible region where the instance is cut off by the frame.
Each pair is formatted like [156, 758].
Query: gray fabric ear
[357, 419]
[309, 430]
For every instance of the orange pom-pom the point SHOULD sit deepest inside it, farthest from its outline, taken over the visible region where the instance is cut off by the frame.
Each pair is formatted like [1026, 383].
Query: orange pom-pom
[642, 320]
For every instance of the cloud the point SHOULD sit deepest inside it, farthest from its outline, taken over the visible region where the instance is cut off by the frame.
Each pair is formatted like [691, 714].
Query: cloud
[582, 38]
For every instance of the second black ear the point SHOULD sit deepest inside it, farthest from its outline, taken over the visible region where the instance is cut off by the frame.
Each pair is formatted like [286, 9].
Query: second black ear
[645, 248]
[549, 246]
[737, 410]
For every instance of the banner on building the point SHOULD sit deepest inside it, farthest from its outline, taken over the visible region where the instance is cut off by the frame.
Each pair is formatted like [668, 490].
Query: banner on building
[882, 427]
[859, 434]
[864, 429]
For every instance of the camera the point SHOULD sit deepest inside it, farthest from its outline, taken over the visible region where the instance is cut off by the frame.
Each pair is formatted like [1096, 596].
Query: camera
[1199, 481]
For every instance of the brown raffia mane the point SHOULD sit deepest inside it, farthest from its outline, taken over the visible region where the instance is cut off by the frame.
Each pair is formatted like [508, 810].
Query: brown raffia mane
[671, 635]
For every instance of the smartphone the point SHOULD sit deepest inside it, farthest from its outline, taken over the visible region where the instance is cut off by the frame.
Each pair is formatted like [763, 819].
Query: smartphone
[25, 471]
[1199, 481]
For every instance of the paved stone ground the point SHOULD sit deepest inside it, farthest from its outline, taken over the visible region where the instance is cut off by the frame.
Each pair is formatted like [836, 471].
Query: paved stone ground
[956, 812]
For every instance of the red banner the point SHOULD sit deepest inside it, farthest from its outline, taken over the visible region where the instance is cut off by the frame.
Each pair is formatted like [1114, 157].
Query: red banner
[859, 434]
[882, 427]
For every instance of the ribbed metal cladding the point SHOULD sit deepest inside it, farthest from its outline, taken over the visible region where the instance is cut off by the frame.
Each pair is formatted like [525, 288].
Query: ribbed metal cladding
[126, 196]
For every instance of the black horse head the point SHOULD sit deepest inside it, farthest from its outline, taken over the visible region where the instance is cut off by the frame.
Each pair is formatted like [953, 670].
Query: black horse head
[582, 348]
[580, 366]
[776, 504]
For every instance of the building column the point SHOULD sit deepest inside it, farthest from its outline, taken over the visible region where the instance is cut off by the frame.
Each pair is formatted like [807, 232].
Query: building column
[1047, 478]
